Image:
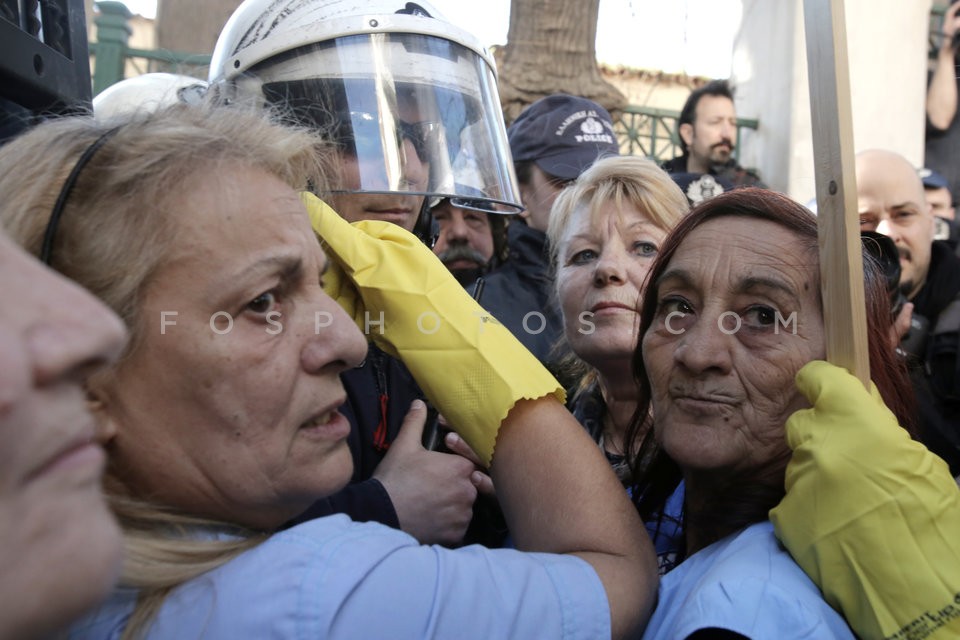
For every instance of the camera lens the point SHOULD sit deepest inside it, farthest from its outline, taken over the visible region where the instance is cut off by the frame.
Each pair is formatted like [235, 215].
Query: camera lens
[883, 251]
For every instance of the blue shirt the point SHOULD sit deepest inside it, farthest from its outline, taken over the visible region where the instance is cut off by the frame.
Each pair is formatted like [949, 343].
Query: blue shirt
[748, 584]
[666, 531]
[335, 578]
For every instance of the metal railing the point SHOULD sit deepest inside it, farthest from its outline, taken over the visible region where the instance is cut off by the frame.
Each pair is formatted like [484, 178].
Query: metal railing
[648, 131]
[111, 52]
[654, 132]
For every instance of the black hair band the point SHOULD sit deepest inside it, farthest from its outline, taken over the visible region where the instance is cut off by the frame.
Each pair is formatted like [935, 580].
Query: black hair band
[51, 231]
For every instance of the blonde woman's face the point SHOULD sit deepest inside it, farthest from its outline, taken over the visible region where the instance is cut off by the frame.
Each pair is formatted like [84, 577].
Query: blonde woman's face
[60, 547]
[228, 408]
[602, 265]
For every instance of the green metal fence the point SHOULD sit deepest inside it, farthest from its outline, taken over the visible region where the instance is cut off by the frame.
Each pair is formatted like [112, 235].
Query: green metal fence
[653, 132]
[111, 53]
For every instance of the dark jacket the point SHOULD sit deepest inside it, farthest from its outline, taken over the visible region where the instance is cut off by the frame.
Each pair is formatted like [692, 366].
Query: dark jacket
[590, 410]
[522, 288]
[937, 369]
[379, 393]
[731, 172]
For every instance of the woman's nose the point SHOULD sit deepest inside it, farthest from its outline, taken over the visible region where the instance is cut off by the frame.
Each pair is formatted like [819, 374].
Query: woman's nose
[75, 336]
[705, 344]
[611, 267]
[335, 343]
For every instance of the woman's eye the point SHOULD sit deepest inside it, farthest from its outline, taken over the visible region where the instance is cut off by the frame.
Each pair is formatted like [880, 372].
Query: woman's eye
[645, 249]
[583, 257]
[263, 303]
[675, 305]
[760, 315]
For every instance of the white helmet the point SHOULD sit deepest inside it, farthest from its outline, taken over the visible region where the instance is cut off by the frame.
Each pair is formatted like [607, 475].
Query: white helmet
[371, 74]
[148, 92]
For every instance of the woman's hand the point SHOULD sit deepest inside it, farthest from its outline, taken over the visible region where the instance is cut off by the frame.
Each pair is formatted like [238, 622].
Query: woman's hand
[481, 480]
[870, 514]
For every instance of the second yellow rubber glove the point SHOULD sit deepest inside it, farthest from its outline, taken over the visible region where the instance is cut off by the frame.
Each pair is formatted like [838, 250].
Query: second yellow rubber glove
[397, 291]
[871, 515]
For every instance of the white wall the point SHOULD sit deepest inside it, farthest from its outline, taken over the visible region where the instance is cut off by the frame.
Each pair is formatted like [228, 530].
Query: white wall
[886, 41]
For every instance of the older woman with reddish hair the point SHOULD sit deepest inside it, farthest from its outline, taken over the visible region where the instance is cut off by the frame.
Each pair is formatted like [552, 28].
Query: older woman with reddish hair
[731, 315]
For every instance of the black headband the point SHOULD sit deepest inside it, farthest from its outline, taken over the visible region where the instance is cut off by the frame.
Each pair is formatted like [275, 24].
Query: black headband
[51, 231]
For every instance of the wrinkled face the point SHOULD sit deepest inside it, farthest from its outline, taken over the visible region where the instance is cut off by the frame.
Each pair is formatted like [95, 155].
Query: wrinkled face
[711, 137]
[890, 200]
[538, 196]
[231, 412]
[736, 319]
[465, 242]
[60, 547]
[602, 265]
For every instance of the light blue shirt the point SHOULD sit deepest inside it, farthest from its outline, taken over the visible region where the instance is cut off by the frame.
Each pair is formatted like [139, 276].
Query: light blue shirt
[748, 584]
[335, 578]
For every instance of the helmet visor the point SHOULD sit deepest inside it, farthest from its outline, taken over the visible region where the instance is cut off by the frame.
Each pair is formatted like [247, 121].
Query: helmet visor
[407, 112]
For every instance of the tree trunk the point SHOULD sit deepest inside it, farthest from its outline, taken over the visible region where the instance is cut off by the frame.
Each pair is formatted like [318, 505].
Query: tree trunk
[551, 48]
[189, 26]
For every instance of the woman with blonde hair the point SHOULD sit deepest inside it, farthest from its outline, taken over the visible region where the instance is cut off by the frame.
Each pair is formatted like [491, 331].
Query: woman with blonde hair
[605, 230]
[220, 418]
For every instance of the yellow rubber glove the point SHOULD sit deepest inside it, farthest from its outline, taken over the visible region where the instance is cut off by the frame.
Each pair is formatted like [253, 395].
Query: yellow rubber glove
[469, 366]
[872, 516]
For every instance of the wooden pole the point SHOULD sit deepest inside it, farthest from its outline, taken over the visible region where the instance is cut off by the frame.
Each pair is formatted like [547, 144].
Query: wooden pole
[841, 261]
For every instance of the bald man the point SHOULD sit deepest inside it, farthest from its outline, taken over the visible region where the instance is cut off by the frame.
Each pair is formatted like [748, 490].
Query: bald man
[891, 200]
